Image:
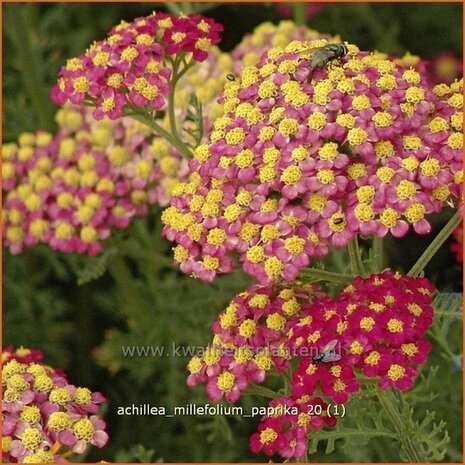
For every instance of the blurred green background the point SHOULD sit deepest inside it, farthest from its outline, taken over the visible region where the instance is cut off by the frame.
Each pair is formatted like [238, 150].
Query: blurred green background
[141, 299]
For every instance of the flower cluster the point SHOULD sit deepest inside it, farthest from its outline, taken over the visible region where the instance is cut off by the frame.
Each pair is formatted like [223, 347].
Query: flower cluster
[21, 355]
[42, 412]
[445, 67]
[374, 327]
[250, 340]
[70, 189]
[143, 167]
[457, 245]
[305, 158]
[133, 66]
[285, 428]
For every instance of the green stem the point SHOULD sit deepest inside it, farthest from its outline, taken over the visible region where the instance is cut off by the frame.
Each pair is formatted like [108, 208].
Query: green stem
[410, 449]
[378, 253]
[177, 74]
[323, 275]
[435, 245]
[173, 137]
[178, 144]
[356, 258]
[299, 13]
[173, 8]
[337, 258]
[442, 344]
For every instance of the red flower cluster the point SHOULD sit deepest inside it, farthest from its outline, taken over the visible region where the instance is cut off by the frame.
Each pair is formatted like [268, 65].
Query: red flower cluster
[21, 355]
[374, 327]
[132, 66]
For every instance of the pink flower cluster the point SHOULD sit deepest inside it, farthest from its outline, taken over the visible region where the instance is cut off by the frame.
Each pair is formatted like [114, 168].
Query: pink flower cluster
[71, 189]
[445, 67]
[21, 355]
[374, 327]
[145, 163]
[132, 67]
[303, 159]
[250, 340]
[42, 412]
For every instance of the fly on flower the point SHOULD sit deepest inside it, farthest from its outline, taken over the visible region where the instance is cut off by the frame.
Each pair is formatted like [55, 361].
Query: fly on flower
[321, 56]
[327, 354]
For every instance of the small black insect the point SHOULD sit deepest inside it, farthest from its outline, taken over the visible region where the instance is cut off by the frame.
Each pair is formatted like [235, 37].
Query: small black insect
[231, 77]
[338, 221]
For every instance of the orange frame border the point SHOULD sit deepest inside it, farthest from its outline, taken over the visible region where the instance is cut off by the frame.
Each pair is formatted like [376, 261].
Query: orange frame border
[227, 1]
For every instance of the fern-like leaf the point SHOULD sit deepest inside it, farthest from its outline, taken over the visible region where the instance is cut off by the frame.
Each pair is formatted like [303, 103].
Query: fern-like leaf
[95, 267]
[432, 436]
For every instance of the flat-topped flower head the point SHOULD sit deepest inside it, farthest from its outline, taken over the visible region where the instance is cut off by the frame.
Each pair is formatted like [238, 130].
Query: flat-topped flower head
[302, 159]
[71, 189]
[43, 414]
[132, 67]
[375, 324]
[249, 340]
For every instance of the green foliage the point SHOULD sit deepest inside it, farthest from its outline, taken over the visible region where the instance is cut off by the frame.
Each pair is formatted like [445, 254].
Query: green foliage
[363, 422]
[95, 267]
[136, 454]
[195, 117]
[432, 436]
